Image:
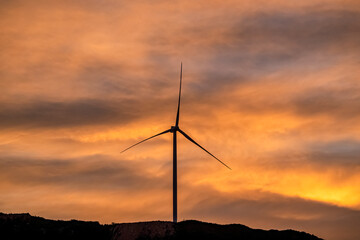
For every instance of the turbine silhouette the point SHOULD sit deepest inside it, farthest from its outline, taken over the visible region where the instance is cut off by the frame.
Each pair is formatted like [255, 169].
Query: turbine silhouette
[174, 130]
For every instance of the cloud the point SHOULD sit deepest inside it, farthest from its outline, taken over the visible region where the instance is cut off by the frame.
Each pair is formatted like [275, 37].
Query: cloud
[302, 31]
[82, 112]
[339, 103]
[344, 153]
[57, 114]
[96, 172]
[265, 41]
[269, 210]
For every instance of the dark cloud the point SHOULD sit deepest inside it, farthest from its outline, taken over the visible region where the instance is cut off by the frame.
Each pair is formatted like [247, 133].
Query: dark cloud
[345, 153]
[303, 30]
[274, 40]
[57, 114]
[96, 172]
[342, 155]
[343, 103]
[83, 112]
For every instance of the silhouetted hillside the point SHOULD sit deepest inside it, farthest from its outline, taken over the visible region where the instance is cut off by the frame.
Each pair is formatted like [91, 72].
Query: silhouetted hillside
[25, 226]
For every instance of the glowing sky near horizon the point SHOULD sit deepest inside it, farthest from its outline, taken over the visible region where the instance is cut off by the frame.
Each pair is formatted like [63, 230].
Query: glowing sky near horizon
[272, 88]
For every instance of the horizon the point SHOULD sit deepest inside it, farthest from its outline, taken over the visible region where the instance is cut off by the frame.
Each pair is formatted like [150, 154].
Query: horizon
[26, 226]
[272, 89]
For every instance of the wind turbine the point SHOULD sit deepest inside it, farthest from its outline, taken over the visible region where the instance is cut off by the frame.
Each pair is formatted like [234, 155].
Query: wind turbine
[174, 130]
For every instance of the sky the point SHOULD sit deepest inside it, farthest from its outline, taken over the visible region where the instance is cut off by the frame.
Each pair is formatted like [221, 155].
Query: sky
[269, 87]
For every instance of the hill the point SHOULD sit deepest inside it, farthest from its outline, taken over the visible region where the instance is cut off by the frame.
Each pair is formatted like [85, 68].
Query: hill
[25, 226]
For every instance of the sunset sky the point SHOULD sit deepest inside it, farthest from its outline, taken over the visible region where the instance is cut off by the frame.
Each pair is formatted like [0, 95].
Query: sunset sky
[271, 88]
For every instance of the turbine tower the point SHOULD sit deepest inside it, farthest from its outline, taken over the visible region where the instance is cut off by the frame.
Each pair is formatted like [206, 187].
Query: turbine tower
[174, 130]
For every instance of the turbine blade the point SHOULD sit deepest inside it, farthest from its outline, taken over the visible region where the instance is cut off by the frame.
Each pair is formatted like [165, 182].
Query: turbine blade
[191, 140]
[178, 109]
[146, 140]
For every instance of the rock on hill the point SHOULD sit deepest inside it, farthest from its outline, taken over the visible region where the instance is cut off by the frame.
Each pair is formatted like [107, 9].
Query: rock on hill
[25, 226]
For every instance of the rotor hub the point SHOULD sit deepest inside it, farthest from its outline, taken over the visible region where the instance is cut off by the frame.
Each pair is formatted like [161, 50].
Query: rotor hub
[174, 128]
